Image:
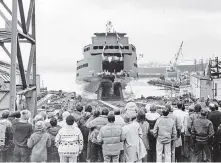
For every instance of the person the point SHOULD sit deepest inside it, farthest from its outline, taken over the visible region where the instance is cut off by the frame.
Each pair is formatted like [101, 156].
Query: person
[217, 152]
[111, 138]
[187, 136]
[164, 130]
[118, 118]
[69, 141]
[152, 117]
[63, 122]
[181, 113]
[175, 143]
[145, 130]
[39, 142]
[53, 155]
[203, 131]
[85, 131]
[77, 113]
[95, 114]
[131, 108]
[22, 132]
[6, 135]
[134, 148]
[214, 116]
[96, 124]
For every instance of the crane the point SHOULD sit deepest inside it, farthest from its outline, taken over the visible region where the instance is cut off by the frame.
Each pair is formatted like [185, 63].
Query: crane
[177, 55]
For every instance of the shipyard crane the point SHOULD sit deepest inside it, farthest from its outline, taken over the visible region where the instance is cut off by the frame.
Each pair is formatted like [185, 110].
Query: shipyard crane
[177, 55]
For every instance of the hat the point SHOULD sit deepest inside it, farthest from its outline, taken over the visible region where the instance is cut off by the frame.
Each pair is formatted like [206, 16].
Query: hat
[38, 117]
[65, 115]
[50, 114]
[5, 114]
[132, 106]
[25, 114]
[40, 126]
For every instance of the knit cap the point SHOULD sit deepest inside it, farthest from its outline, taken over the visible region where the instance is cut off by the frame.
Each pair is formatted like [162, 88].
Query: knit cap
[5, 114]
[65, 115]
[25, 114]
[38, 117]
[40, 126]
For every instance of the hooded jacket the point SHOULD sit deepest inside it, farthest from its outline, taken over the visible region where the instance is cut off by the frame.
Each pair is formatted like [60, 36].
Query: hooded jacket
[39, 141]
[53, 131]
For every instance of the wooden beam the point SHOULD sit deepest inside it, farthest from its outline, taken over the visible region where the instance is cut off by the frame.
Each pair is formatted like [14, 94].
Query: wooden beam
[21, 67]
[30, 62]
[30, 12]
[22, 16]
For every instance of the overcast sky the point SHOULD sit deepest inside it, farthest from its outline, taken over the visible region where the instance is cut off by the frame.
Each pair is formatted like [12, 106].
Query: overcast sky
[155, 27]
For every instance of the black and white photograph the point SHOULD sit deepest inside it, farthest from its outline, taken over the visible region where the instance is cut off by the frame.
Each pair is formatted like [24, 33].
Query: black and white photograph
[110, 81]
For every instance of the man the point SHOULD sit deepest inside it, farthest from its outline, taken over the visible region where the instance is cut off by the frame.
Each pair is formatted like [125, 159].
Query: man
[96, 124]
[77, 113]
[6, 135]
[181, 113]
[118, 118]
[202, 130]
[152, 117]
[178, 125]
[215, 117]
[85, 131]
[69, 141]
[165, 131]
[22, 132]
[111, 138]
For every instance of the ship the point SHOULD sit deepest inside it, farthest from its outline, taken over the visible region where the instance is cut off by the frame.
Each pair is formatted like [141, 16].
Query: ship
[108, 64]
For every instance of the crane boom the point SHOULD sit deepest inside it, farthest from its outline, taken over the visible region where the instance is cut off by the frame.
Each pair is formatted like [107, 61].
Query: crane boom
[178, 54]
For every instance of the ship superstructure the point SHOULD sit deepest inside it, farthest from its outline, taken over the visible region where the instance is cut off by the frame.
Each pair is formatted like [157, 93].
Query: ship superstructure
[108, 65]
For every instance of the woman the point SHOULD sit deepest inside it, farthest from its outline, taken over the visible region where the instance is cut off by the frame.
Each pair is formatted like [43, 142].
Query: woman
[39, 141]
[133, 145]
[141, 119]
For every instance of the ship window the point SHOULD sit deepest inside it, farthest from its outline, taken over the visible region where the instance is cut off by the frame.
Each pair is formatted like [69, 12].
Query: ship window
[82, 66]
[95, 47]
[116, 47]
[100, 47]
[111, 47]
[126, 47]
[95, 53]
[135, 65]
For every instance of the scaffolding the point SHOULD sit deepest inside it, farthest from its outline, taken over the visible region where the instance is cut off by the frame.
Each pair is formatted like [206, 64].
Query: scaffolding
[14, 36]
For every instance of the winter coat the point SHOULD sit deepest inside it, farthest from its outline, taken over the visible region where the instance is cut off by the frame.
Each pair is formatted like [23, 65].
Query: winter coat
[39, 141]
[96, 123]
[82, 125]
[145, 130]
[53, 131]
[111, 138]
[69, 140]
[215, 118]
[134, 148]
[119, 120]
[202, 129]
[76, 115]
[164, 130]
[193, 117]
